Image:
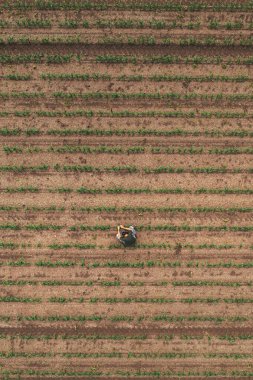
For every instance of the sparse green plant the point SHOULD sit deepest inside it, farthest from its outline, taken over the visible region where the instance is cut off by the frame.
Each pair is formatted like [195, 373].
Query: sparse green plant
[69, 24]
[34, 23]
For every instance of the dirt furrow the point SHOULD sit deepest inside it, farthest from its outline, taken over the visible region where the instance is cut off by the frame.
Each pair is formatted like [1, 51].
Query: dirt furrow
[140, 162]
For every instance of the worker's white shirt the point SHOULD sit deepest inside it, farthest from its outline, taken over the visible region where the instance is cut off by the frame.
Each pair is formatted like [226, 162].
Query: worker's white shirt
[133, 231]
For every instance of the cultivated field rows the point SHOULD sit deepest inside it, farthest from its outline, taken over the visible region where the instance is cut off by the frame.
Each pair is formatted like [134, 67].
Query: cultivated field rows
[136, 114]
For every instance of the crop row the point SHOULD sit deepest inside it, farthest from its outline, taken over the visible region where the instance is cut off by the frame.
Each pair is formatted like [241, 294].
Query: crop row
[115, 209]
[81, 246]
[46, 374]
[123, 168]
[161, 300]
[68, 40]
[136, 96]
[125, 373]
[35, 58]
[127, 113]
[134, 78]
[121, 132]
[119, 190]
[125, 59]
[128, 355]
[162, 227]
[123, 95]
[45, 23]
[120, 337]
[131, 5]
[126, 264]
[124, 318]
[126, 96]
[85, 149]
[114, 354]
[168, 246]
[160, 209]
[173, 59]
[130, 78]
[117, 283]
[205, 246]
[108, 300]
[151, 40]
[169, 264]
[12, 245]
[164, 355]
[144, 40]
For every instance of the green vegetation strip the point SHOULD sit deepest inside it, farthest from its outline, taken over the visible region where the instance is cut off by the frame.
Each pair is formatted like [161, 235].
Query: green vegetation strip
[162, 355]
[164, 227]
[128, 355]
[121, 190]
[116, 283]
[123, 132]
[161, 300]
[135, 78]
[114, 209]
[17, 95]
[169, 264]
[133, 96]
[177, 190]
[202, 41]
[123, 318]
[173, 59]
[161, 227]
[131, 5]
[123, 168]
[81, 246]
[129, 113]
[157, 24]
[136, 96]
[22, 169]
[118, 337]
[124, 39]
[18, 77]
[122, 95]
[35, 58]
[126, 374]
[55, 246]
[125, 59]
[85, 149]
[124, 264]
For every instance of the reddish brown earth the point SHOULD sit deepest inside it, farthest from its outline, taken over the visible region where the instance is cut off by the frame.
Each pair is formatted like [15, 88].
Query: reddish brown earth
[74, 303]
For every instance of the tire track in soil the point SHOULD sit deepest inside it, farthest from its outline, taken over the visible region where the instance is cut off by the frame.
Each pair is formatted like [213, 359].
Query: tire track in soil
[128, 50]
[215, 331]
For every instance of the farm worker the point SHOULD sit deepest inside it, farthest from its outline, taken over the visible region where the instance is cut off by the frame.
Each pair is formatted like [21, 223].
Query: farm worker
[126, 235]
[124, 231]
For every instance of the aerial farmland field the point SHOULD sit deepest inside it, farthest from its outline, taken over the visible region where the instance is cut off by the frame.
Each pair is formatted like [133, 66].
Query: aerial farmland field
[137, 113]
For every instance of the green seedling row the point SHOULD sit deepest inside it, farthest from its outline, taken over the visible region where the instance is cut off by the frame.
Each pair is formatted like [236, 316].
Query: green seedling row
[114, 209]
[242, 133]
[162, 227]
[131, 114]
[171, 6]
[39, 58]
[115, 283]
[102, 149]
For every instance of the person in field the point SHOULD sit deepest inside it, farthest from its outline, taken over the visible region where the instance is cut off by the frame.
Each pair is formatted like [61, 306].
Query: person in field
[126, 235]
